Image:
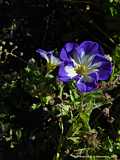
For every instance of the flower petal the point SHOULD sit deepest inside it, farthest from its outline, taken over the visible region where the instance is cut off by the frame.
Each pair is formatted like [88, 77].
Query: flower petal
[91, 48]
[105, 69]
[66, 73]
[94, 76]
[86, 51]
[86, 86]
[54, 60]
[80, 51]
[70, 71]
[76, 59]
[99, 58]
[66, 50]
[81, 86]
[43, 54]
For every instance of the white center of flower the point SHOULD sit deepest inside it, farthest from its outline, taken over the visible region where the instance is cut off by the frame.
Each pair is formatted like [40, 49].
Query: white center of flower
[84, 64]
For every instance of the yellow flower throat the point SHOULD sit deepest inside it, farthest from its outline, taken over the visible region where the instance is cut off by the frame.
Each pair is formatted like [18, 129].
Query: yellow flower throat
[51, 66]
[81, 69]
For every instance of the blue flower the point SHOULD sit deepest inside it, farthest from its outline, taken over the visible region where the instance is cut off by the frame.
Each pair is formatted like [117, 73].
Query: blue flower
[84, 63]
[52, 61]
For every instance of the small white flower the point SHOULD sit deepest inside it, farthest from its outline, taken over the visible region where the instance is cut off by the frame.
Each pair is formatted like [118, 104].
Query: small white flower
[52, 61]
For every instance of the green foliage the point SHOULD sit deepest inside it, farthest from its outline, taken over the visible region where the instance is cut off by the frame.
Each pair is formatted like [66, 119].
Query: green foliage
[73, 111]
[69, 108]
[112, 7]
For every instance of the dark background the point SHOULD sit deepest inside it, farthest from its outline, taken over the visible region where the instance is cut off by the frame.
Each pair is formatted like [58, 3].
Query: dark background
[46, 24]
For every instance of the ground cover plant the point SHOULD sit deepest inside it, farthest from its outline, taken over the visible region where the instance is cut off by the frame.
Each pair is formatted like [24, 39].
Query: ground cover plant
[59, 80]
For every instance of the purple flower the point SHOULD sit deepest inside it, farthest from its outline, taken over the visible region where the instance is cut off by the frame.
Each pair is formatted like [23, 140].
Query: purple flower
[52, 61]
[84, 63]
